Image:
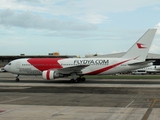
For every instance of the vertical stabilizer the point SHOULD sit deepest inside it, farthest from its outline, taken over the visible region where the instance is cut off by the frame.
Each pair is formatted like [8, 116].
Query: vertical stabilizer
[140, 49]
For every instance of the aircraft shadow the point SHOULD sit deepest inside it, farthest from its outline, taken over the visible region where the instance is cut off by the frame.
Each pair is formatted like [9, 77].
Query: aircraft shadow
[90, 81]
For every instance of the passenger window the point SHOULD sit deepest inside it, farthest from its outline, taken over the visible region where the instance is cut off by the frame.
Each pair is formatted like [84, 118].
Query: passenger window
[9, 63]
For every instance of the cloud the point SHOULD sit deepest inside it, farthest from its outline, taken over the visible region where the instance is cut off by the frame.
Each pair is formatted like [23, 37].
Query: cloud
[94, 18]
[156, 8]
[158, 25]
[158, 30]
[26, 19]
[13, 41]
[90, 11]
[30, 1]
[154, 49]
[97, 11]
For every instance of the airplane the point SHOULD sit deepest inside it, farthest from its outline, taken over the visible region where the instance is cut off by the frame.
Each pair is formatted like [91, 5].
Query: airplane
[151, 69]
[77, 68]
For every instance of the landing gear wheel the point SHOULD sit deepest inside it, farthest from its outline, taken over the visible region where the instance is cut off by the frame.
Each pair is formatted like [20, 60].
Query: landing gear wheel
[78, 80]
[17, 79]
[72, 80]
[83, 79]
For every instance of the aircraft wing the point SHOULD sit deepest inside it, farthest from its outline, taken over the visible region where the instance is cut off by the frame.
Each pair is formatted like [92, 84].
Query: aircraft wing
[72, 69]
[142, 63]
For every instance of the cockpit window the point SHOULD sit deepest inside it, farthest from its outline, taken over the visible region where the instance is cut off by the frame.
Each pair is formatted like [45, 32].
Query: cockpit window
[9, 63]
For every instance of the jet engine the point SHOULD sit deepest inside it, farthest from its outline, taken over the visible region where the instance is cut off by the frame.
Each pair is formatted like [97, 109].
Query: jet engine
[50, 74]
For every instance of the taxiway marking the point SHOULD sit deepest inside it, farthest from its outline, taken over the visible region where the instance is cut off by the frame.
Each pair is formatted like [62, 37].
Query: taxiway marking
[148, 112]
[129, 104]
[14, 100]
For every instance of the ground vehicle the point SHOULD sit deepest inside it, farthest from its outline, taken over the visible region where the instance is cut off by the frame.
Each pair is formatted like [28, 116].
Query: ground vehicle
[139, 72]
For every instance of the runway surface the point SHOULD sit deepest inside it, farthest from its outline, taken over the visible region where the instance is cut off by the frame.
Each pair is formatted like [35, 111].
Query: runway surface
[96, 99]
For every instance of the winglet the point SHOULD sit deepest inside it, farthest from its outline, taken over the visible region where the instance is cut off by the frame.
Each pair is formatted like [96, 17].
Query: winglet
[140, 49]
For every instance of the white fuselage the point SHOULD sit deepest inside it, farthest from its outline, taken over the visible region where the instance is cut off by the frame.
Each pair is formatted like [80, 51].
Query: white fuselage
[94, 66]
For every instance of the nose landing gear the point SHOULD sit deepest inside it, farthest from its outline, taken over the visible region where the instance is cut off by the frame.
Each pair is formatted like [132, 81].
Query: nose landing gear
[17, 78]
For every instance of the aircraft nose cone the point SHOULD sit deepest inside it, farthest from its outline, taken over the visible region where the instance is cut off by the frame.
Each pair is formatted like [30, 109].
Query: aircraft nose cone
[6, 67]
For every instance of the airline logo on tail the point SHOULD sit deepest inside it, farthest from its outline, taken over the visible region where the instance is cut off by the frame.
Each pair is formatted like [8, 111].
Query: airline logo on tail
[140, 46]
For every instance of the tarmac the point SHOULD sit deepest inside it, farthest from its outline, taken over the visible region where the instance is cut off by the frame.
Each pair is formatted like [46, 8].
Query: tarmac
[96, 99]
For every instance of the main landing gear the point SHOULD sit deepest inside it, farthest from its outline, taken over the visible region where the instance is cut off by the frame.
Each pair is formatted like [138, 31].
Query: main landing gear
[76, 79]
[17, 78]
[79, 79]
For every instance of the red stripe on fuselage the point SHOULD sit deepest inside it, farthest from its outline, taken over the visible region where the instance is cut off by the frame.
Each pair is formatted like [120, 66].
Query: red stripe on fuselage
[45, 63]
[106, 68]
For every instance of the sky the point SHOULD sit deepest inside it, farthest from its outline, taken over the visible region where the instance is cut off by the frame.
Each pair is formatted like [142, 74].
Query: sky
[76, 27]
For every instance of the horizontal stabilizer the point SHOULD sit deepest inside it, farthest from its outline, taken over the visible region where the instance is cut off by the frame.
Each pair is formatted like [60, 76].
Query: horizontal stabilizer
[143, 63]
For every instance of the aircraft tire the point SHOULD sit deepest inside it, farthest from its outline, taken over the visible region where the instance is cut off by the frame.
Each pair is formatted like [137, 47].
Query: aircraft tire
[17, 79]
[78, 80]
[72, 80]
[83, 79]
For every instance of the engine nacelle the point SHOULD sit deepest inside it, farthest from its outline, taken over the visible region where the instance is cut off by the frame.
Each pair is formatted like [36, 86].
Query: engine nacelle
[50, 74]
